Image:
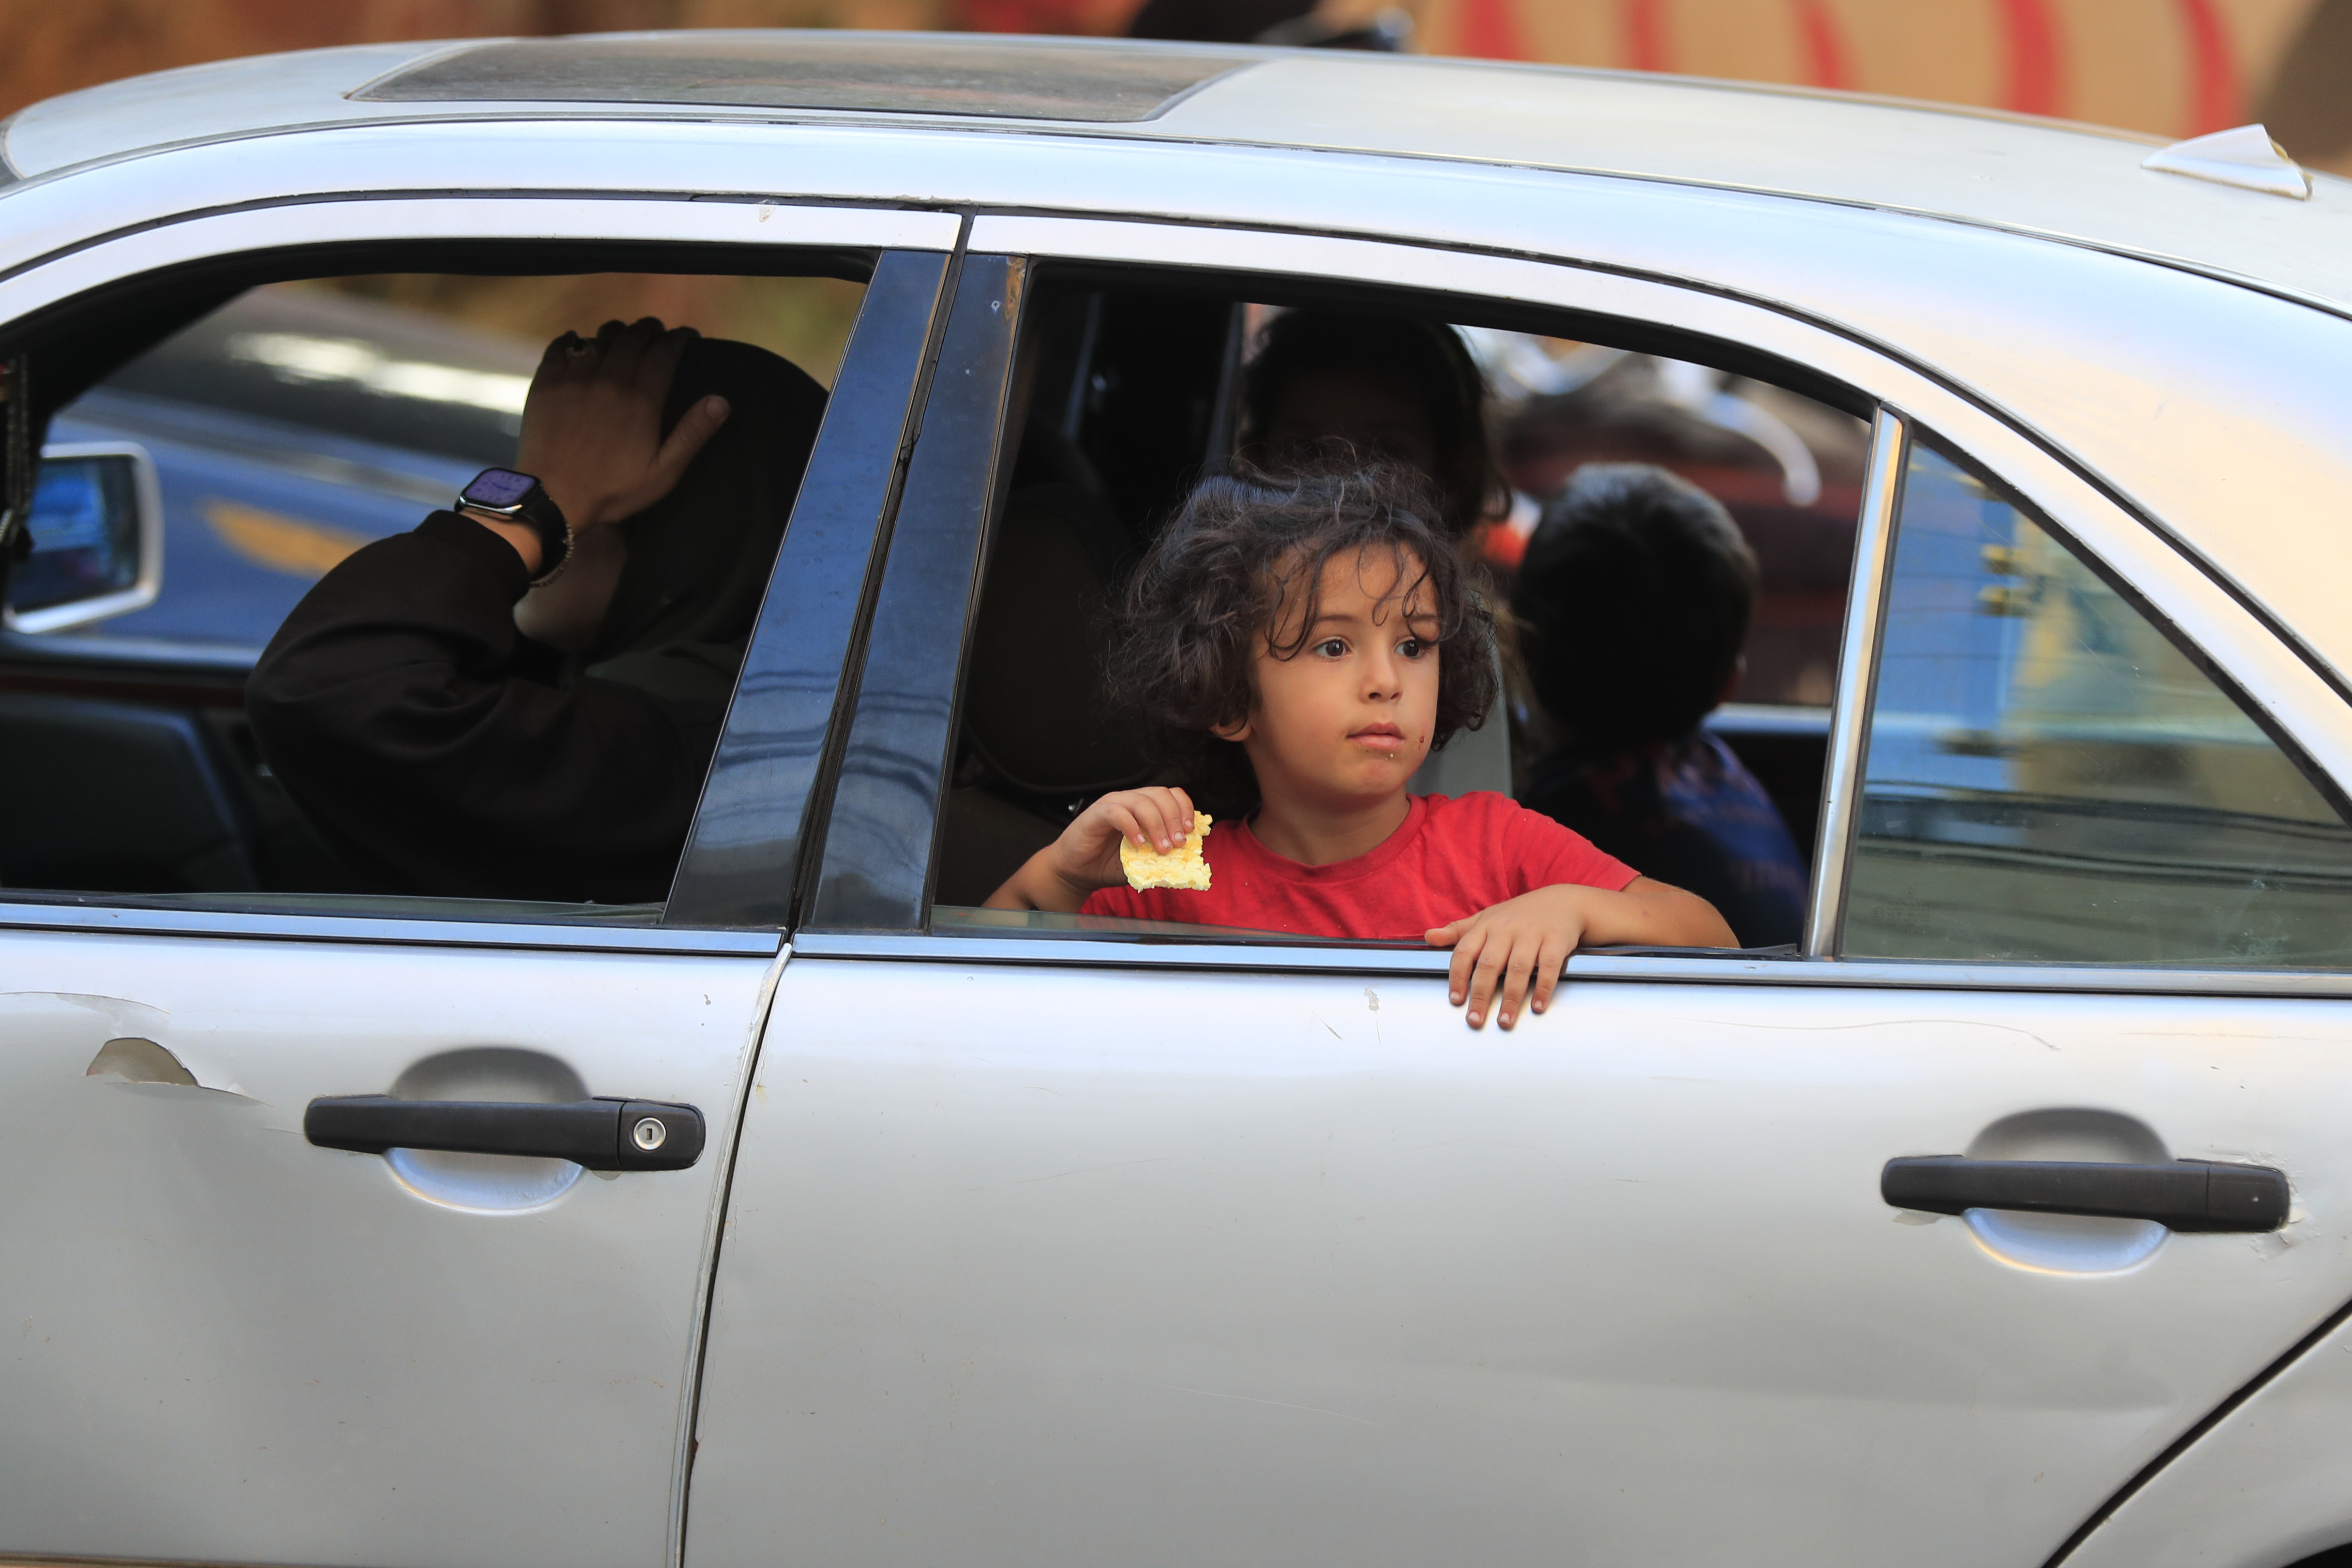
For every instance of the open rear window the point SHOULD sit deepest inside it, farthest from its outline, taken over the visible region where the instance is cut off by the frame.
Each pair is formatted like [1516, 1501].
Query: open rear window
[1135, 385]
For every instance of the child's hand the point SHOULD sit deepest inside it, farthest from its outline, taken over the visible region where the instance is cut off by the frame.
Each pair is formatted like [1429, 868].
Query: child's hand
[1085, 857]
[1511, 944]
[1520, 944]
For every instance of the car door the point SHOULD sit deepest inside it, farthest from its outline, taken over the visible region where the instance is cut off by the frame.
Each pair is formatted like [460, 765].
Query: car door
[244, 1331]
[1051, 1244]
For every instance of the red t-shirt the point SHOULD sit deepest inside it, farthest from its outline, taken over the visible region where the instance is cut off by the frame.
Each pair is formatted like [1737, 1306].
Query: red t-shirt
[1449, 859]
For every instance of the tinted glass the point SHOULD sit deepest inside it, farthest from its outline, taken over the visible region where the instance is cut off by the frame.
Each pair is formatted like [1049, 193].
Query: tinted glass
[2051, 777]
[757, 70]
[301, 420]
[303, 423]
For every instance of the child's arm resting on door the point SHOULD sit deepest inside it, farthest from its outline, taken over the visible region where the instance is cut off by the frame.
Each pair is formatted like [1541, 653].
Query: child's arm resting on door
[1525, 941]
[1085, 857]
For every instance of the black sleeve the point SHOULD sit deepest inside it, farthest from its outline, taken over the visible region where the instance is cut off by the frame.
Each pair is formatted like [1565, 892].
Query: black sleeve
[430, 743]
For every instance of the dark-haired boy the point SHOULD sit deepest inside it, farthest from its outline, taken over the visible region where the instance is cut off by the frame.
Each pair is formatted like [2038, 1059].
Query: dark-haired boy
[1320, 628]
[1634, 602]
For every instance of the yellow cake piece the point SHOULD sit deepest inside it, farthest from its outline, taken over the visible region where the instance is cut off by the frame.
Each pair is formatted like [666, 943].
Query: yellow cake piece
[1182, 867]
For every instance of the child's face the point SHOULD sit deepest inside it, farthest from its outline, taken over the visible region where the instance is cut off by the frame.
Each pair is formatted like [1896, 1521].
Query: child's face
[1342, 723]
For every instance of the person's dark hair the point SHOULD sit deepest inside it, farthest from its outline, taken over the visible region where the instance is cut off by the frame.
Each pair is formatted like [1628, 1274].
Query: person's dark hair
[1425, 361]
[1214, 21]
[1222, 576]
[1632, 603]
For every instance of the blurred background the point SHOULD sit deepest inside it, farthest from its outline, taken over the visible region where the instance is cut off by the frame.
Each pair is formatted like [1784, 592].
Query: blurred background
[2167, 68]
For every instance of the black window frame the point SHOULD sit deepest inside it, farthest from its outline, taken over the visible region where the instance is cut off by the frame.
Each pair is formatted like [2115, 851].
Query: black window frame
[750, 853]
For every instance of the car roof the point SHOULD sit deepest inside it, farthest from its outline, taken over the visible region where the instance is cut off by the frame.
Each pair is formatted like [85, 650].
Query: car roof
[2077, 184]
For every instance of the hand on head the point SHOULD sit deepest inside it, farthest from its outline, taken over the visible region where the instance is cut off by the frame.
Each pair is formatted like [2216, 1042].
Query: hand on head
[592, 423]
[591, 435]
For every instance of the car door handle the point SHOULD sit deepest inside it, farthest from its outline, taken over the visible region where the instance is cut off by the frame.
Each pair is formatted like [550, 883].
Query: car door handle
[2184, 1194]
[602, 1134]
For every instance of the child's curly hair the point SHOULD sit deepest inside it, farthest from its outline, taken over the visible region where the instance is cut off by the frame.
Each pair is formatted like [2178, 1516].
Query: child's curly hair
[1223, 572]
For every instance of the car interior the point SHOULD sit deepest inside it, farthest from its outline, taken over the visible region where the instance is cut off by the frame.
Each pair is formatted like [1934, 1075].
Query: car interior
[1130, 390]
[281, 420]
[288, 418]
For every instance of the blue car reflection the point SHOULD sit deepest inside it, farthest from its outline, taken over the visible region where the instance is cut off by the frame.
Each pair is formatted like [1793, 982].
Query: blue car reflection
[288, 429]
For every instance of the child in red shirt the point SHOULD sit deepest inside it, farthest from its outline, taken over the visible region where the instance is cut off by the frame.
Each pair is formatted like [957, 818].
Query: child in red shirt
[1313, 637]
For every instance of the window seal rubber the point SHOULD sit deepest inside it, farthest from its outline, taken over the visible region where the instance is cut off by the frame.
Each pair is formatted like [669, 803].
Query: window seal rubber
[1700, 967]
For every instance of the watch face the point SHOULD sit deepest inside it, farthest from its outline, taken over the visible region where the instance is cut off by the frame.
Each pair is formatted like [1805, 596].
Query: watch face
[498, 487]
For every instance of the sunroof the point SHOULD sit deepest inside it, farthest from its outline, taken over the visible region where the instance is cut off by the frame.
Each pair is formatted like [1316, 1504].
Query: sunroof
[902, 75]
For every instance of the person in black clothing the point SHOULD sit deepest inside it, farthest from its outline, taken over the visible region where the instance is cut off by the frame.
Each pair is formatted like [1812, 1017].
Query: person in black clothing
[1327, 386]
[451, 727]
[1285, 22]
[1634, 602]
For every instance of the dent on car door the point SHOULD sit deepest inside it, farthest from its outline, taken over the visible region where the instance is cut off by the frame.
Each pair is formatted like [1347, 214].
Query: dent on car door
[234, 1344]
[1049, 1247]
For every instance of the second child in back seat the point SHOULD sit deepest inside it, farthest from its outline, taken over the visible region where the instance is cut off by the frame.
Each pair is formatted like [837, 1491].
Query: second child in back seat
[1634, 602]
[1312, 640]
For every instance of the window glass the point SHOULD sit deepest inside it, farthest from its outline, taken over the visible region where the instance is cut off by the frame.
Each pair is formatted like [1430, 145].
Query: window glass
[2050, 776]
[286, 428]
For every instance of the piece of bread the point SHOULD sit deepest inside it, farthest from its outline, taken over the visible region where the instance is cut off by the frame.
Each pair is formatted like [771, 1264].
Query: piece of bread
[1182, 867]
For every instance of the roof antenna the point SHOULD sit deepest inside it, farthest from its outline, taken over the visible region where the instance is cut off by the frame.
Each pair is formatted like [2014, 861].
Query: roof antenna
[2245, 157]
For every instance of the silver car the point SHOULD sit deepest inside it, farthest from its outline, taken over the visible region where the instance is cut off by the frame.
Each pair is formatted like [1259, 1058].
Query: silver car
[814, 1215]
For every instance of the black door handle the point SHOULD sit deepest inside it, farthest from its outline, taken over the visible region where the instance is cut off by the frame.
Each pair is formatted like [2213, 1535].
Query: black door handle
[602, 1134]
[2185, 1194]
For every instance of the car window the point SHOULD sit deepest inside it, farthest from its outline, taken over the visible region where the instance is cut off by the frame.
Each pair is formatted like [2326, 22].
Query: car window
[1126, 397]
[276, 431]
[2052, 777]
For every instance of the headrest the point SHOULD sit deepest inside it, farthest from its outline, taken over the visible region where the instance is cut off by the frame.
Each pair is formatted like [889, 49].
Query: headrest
[1034, 707]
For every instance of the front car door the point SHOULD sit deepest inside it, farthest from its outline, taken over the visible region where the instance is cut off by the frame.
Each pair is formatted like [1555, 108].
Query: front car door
[1048, 1245]
[230, 1344]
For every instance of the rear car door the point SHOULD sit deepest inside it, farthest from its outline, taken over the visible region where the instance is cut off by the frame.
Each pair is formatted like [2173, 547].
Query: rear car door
[231, 1343]
[1054, 1245]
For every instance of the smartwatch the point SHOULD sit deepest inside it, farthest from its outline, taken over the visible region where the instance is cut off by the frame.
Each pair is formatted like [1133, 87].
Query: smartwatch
[518, 498]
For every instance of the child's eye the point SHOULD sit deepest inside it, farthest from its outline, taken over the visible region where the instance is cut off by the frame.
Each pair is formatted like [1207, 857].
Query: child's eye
[1332, 647]
[1412, 647]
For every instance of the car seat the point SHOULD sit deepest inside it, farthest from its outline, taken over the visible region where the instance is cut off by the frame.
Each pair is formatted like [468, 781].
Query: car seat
[1040, 732]
[117, 797]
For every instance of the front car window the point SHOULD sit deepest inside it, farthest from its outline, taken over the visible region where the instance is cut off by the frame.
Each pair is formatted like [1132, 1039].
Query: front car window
[2051, 776]
[277, 431]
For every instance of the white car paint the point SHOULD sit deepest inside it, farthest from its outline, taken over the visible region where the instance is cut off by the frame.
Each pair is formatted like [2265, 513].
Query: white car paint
[1053, 1266]
[2081, 183]
[227, 1344]
[2263, 1487]
[1068, 1254]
